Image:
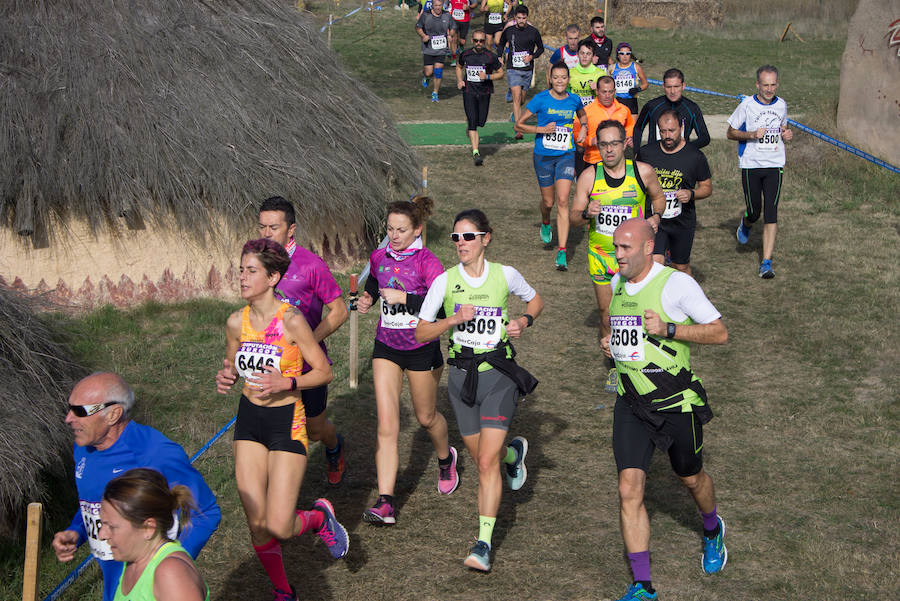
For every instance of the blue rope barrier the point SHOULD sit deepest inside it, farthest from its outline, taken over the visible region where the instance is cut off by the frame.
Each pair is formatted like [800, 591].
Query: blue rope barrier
[74, 574]
[350, 14]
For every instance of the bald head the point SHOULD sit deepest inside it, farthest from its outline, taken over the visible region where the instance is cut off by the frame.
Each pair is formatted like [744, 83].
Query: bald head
[106, 400]
[104, 387]
[633, 241]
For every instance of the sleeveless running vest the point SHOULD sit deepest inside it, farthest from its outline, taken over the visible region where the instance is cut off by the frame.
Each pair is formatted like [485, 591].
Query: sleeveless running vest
[268, 347]
[625, 79]
[143, 588]
[618, 204]
[487, 330]
[653, 370]
[580, 79]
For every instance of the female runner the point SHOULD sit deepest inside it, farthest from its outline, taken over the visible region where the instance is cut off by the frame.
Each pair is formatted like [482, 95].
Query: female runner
[629, 77]
[484, 383]
[400, 274]
[266, 343]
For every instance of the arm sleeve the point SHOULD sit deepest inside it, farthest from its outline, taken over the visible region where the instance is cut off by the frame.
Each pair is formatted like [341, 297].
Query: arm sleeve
[414, 302]
[539, 43]
[640, 124]
[372, 285]
[501, 46]
[700, 127]
[434, 300]
[517, 284]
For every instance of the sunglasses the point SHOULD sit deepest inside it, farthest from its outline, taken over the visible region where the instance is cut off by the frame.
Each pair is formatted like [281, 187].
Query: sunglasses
[88, 410]
[478, 40]
[624, 53]
[467, 236]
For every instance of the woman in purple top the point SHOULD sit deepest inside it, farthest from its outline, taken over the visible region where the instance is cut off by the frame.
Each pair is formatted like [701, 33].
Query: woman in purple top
[400, 275]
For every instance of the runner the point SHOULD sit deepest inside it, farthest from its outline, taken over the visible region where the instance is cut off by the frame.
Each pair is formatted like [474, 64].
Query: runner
[484, 383]
[606, 195]
[554, 152]
[600, 44]
[759, 124]
[629, 77]
[309, 286]
[267, 343]
[481, 67]
[604, 108]
[494, 11]
[689, 113]
[683, 173]
[656, 313]
[568, 52]
[437, 30]
[525, 45]
[137, 513]
[400, 274]
[460, 11]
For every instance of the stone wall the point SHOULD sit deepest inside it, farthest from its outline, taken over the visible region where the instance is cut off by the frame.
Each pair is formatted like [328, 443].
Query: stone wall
[552, 16]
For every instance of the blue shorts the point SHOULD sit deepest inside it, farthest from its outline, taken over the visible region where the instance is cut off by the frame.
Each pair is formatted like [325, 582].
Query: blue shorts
[550, 169]
[522, 79]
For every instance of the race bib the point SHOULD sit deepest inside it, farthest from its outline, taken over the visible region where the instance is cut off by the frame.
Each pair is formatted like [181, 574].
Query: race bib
[561, 139]
[254, 356]
[482, 331]
[624, 82]
[473, 73]
[438, 42]
[610, 217]
[673, 205]
[518, 59]
[495, 18]
[626, 340]
[90, 515]
[458, 14]
[586, 100]
[769, 141]
[397, 317]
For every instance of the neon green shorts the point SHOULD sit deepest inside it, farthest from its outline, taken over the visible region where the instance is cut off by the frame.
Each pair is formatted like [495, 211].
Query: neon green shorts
[602, 265]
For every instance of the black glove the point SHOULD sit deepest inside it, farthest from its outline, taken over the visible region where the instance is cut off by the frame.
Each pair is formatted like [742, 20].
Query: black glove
[634, 91]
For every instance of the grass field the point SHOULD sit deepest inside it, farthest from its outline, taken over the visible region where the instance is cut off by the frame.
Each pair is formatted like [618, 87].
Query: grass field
[804, 449]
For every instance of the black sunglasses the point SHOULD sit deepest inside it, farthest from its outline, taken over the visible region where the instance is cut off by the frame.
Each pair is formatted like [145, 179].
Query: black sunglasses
[87, 410]
[467, 236]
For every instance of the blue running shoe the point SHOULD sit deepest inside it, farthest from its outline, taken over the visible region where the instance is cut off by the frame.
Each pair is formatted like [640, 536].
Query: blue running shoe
[434, 97]
[424, 82]
[743, 232]
[479, 557]
[637, 592]
[516, 474]
[715, 555]
[546, 233]
[765, 270]
[508, 95]
[332, 533]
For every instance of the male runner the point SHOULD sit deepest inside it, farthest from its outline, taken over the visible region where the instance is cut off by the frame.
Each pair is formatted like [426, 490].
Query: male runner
[606, 195]
[460, 11]
[684, 176]
[689, 113]
[568, 52]
[655, 313]
[602, 45]
[475, 74]
[583, 83]
[525, 45]
[309, 286]
[759, 124]
[604, 108]
[437, 30]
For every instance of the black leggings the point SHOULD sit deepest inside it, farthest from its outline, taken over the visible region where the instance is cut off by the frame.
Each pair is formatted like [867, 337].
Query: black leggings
[762, 189]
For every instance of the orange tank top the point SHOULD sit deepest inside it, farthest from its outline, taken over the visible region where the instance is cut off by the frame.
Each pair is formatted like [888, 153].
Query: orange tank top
[266, 348]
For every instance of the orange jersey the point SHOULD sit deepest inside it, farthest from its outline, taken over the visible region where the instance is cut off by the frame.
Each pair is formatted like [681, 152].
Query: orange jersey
[266, 348]
[596, 114]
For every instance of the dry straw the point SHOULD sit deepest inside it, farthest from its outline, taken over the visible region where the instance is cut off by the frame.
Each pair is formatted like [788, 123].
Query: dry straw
[186, 113]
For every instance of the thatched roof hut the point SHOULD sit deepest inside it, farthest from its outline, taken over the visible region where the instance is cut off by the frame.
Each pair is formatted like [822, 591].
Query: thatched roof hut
[183, 114]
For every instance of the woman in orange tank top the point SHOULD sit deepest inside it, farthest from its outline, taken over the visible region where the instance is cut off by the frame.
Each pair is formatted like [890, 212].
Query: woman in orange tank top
[266, 343]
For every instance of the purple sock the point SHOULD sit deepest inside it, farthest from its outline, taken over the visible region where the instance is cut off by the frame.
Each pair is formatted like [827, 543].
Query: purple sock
[640, 565]
[710, 520]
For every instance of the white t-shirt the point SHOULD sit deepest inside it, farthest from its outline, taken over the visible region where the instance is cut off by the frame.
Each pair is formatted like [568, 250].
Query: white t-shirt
[682, 296]
[750, 115]
[434, 300]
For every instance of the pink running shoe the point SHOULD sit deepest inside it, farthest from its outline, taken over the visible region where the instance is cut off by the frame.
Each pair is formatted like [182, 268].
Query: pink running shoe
[381, 513]
[448, 477]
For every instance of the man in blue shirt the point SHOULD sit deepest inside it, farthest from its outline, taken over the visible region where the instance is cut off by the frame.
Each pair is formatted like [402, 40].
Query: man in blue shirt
[108, 443]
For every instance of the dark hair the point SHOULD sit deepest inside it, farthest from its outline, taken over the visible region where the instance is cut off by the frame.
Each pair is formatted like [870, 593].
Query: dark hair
[672, 73]
[611, 123]
[597, 20]
[586, 44]
[668, 113]
[573, 27]
[140, 494]
[271, 254]
[476, 217]
[521, 10]
[279, 203]
[418, 209]
[559, 65]
[767, 69]
[606, 79]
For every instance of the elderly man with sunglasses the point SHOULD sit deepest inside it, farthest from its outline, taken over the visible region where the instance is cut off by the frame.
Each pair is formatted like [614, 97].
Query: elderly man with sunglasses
[108, 443]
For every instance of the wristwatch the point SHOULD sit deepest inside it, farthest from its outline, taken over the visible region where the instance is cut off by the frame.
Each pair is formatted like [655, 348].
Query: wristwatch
[670, 330]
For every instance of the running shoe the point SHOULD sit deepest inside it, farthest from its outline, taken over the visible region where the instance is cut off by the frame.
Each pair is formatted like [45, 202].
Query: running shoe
[336, 465]
[715, 555]
[448, 477]
[332, 533]
[434, 97]
[637, 592]
[477, 158]
[453, 61]
[561, 264]
[765, 270]
[516, 473]
[424, 82]
[381, 513]
[546, 233]
[743, 232]
[280, 595]
[508, 95]
[612, 381]
[479, 557]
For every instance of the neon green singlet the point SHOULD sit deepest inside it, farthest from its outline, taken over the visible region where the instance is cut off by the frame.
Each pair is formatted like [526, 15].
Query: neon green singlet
[618, 204]
[580, 79]
[143, 588]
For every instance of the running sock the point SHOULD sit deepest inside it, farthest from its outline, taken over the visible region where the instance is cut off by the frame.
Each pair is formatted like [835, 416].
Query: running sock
[562, 248]
[486, 528]
[311, 520]
[640, 567]
[711, 525]
[449, 458]
[547, 222]
[511, 455]
[335, 450]
[648, 586]
[386, 498]
[270, 557]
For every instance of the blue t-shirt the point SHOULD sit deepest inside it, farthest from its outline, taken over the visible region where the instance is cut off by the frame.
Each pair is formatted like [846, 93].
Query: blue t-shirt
[562, 112]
